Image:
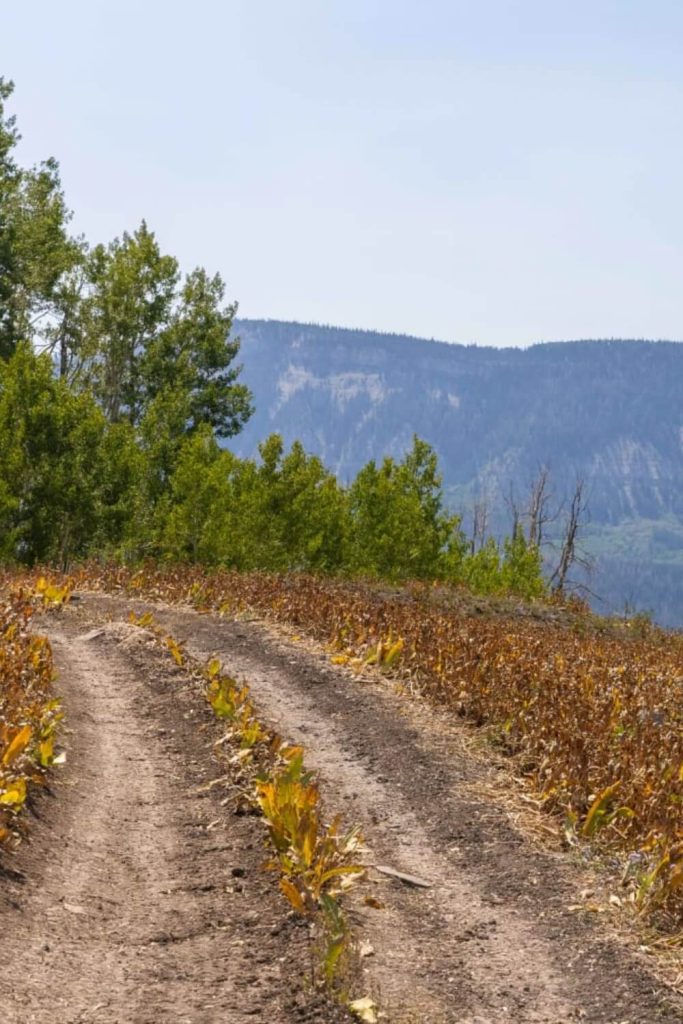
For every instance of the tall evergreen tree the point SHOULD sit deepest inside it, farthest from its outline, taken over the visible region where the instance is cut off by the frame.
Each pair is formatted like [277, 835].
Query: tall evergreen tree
[148, 339]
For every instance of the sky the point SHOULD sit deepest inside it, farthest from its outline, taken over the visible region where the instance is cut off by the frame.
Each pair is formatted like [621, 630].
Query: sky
[491, 172]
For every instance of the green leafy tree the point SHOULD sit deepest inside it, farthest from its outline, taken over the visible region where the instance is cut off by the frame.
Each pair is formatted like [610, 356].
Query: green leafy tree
[481, 570]
[521, 570]
[398, 526]
[196, 514]
[121, 508]
[300, 512]
[131, 289]
[147, 339]
[194, 356]
[52, 463]
[286, 512]
[36, 252]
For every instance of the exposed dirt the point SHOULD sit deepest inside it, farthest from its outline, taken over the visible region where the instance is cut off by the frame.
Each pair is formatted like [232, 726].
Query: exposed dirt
[140, 899]
[492, 939]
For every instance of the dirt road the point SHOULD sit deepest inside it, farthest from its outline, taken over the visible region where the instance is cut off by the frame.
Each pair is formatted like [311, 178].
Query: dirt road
[141, 899]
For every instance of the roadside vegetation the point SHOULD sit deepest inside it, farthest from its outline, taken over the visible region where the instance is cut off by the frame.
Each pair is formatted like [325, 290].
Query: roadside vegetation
[29, 710]
[119, 391]
[314, 857]
[589, 710]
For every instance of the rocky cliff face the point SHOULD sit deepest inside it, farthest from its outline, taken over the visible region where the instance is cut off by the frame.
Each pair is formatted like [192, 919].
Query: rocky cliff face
[610, 411]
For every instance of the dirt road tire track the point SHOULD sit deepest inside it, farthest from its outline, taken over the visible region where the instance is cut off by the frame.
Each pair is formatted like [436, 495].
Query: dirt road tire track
[139, 898]
[494, 939]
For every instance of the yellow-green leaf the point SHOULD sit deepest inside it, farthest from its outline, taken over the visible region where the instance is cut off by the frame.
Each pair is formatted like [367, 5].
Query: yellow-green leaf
[18, 744]
[15, 794]
[293, 895]
[598, 809]
[46, 751]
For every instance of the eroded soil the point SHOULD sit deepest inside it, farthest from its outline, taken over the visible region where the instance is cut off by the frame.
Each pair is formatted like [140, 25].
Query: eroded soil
[140, 899]
[136, 915]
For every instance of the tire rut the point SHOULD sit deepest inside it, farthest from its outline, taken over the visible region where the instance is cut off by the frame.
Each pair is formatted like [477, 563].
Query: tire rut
[493, 939]
[138, 900]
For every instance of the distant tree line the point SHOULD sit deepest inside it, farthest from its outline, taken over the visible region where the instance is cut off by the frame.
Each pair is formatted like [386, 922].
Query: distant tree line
[76, 482]
[117, 382]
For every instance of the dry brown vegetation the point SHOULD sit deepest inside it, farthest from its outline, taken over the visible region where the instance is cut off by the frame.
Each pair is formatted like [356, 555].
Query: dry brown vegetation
[29, 711]
[594, 716]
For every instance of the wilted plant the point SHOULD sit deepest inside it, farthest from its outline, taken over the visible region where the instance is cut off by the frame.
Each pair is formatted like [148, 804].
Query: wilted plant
[29, 713]
[51, 594]
[312, 857]
[579, 703]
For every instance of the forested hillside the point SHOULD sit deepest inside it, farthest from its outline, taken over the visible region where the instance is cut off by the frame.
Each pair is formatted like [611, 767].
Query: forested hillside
[336, 682]
[314, 541]
[609, 412]
[347, 451]
[118, 379]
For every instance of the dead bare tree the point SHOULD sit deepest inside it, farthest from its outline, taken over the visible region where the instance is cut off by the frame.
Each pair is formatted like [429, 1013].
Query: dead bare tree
[569, 553]
[480, 524]
[539, 514]
[513, 508]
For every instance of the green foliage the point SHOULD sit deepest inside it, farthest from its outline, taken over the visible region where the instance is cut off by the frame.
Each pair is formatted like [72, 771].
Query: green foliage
[398, 527]
[147, 341]
[57, 485]
[121, 508]
[109, 438]
[35, 251]
[481, 570]
[516, 569]
[521, 570]
[129, 299]
[298, 511]
[72, 483]
[199, 492]
[287, 512]
[193, 356]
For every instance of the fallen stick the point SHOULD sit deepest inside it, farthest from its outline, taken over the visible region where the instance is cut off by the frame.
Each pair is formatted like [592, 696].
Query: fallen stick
[408, 879]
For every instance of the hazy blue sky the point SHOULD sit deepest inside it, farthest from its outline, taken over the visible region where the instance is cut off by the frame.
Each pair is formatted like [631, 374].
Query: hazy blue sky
[481, 171]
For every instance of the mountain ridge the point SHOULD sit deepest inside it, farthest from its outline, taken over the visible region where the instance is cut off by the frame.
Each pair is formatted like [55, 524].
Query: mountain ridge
[607, 410]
